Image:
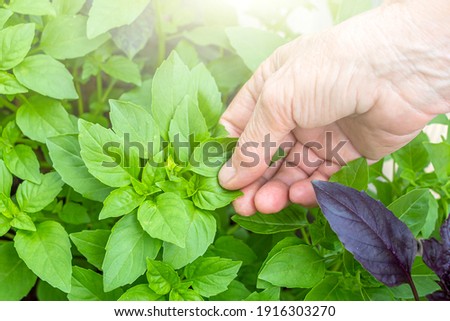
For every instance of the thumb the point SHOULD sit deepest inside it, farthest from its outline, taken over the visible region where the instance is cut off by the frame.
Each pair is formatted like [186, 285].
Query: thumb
[267, 128]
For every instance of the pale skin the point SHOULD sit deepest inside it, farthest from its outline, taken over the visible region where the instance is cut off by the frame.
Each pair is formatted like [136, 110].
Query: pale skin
[374, 81]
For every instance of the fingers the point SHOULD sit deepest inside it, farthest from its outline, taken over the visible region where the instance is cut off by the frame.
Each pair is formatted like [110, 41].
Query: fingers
[268, 127]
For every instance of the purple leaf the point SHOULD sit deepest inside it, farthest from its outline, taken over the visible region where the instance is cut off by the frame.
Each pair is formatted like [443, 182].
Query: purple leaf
[437, 256]
[377, 238]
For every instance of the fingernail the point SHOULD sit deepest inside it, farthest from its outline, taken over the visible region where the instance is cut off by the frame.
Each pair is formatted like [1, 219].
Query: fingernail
[226, 174]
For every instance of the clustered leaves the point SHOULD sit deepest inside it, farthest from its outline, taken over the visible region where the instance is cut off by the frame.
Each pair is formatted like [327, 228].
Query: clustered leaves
[109, 153]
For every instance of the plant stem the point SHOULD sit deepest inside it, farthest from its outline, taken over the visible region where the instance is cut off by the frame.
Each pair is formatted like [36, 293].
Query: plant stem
[108, 90]
[80, 93]
[413, 288]
[305, 236]
[8, 105]
[99, 86]
[9, 236]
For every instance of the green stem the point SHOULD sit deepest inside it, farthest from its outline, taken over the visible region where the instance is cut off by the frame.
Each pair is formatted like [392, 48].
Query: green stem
[108, 90]
[24, 99]
[80, 93]
[305, 236]
[9, 236]
[8, 104]
[99, 86]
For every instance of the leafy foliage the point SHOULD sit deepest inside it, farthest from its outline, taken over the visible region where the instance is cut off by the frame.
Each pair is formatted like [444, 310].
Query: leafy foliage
[110, 148]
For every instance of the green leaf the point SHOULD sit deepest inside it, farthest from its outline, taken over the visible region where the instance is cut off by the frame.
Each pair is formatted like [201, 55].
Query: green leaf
[22, 221]
[141, 96]
[102, 152]
[187, 126]
[440, 158]
[133, 120]
[65, 38]
[32, 7]
[413, 158]
[6, 179]
[209, 97]
[211, 275]
[9, 85]
[355, 174]
[23, 163]
[296, 266]
[5, 14]
[16, 280]
[289, 219]
[15, 43]
[161, 277]
[74, 213]
[68, 7]
[229, 72]
[200, 234]
[171, 84]
[47, 253]
[108, 14]
[45, 292]
[140, 292]
[210, 195]
[332, 289]
[180, 294]
[188, 53]
[88, 286]
[132, 38]
[269, 294]
[123, 69]
[236, 291]
[58, 80]
[34, 197]
[166, 219]
[91, 245]
[209, 157]
[120, 202]
[232, 248]
[253, 45]
[431, 217]
[413, 208]
[126, 251]
[5, 226]
[41, 118]
[208, 36]
[65, 155]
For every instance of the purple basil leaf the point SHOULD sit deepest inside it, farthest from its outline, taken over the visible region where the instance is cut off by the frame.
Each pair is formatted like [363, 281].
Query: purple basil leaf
[374, 235]
[437, 256]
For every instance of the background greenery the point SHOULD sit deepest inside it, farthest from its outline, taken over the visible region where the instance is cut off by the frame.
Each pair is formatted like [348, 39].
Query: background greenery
[62, 61]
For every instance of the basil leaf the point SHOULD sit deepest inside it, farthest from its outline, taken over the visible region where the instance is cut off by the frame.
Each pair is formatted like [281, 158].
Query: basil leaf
[126, 251]
[87, 286]
[9, 85]
[171, 84]
[47, 253]
[140, 292]
[32, 7]
[58, 80]
[200, 234]
[123, 69]
[297, 266]
[6, 179]
[16, 280]
[378, 240]
[91, 245]
[15, 43]
[161, 277]
[166, 219]
[210, 195]
[120, 202]
[118, 13]
[65, 38]
[34, 197]
[41, 118]
[23, 163]
[211, 275]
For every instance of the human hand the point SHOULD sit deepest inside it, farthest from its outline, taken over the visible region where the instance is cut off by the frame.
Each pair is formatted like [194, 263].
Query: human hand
[372, 83]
